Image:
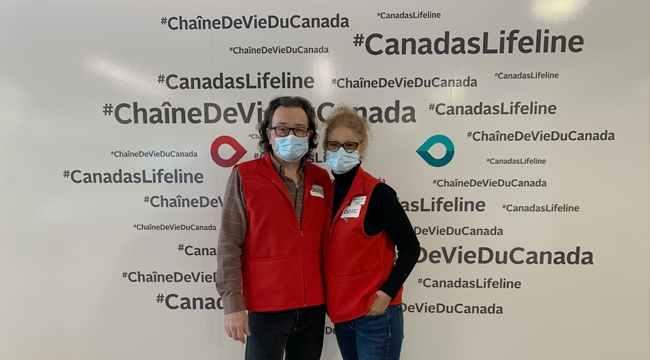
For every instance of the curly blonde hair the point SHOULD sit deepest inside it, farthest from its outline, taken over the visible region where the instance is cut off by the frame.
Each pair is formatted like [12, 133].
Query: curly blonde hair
[345, 116]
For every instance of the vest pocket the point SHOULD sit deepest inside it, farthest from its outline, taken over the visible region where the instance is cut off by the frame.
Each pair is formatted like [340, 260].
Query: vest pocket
[272, 283]
[350, 296]
[353, 276]
[268, 258]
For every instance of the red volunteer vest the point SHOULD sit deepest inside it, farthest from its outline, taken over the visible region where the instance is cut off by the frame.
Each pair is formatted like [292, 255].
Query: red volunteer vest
[282, 264]
[356, 265]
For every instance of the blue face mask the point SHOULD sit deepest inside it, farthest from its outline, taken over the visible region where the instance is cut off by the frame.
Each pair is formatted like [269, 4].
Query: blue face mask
[291, 148]
[341, 161]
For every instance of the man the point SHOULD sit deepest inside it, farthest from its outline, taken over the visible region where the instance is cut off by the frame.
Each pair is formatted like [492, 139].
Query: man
[269, 258]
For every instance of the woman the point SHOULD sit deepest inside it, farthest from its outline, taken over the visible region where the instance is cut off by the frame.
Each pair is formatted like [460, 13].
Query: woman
[363, 280]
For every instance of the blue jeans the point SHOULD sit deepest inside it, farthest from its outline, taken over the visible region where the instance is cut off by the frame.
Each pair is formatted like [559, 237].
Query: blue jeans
[297, 334]
[376, 337]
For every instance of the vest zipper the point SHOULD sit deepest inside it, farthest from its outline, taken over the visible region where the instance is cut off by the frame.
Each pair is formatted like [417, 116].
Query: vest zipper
[302, 244]
[302, 251]
[304, 283]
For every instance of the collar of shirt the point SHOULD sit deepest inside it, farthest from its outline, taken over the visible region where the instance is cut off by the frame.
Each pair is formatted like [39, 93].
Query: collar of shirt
[278, 167]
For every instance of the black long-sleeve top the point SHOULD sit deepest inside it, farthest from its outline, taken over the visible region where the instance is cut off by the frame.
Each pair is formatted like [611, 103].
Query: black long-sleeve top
[384, 213]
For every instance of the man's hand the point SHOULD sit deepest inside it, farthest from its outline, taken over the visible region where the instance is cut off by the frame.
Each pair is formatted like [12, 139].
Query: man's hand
[380, 304]
[236, 325]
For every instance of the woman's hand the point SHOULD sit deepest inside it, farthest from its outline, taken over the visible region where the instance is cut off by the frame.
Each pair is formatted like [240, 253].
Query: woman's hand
[380, 304]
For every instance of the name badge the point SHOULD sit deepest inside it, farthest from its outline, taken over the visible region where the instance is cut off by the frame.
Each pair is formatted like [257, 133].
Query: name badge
[351, 211]
[358, 200]
[317, 190]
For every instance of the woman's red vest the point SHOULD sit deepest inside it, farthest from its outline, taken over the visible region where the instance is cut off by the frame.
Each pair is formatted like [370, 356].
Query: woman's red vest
[356, 265]
[282, 264]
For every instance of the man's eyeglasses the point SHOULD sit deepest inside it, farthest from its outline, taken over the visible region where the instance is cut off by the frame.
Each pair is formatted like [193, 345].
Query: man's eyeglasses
[283, 131]
[335, 146]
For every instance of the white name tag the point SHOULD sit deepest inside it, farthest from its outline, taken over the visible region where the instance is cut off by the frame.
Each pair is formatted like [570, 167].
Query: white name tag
[351, 211]
[358, 200]
[317, 190]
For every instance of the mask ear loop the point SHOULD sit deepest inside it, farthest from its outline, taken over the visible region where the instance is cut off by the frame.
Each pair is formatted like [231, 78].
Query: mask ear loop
[361, 150]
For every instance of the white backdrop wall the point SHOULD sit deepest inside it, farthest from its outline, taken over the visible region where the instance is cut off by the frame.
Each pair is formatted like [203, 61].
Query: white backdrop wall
[541, 112]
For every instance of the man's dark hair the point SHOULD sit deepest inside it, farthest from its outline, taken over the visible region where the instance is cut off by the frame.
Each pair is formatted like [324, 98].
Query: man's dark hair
[289, 102]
